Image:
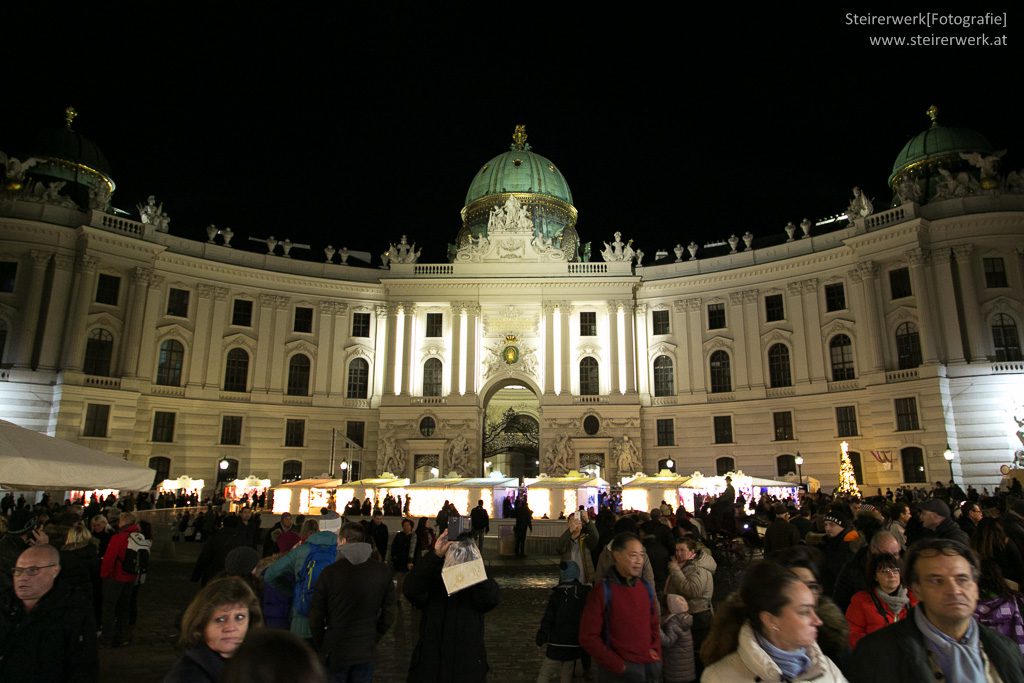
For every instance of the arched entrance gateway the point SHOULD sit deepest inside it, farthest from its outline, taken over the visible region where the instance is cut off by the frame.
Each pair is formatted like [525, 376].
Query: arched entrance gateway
[511, 429]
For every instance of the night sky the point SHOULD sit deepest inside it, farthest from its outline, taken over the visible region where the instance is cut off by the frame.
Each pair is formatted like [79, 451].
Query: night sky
[355, 126]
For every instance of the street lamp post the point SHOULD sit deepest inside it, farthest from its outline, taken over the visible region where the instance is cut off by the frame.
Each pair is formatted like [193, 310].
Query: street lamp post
[948, 454]
[799, 467]
[344, 471]
[671, 465]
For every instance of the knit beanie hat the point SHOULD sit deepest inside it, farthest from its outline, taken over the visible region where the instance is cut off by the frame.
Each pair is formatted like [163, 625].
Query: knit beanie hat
[241, 561]
[836, 518]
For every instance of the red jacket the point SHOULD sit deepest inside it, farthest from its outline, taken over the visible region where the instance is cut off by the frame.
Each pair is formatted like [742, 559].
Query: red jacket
[633, 625]
[112, 559]
[864, 617]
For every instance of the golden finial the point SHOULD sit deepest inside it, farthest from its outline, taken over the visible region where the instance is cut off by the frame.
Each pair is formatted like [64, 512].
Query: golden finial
[519, 137]
[69, 116]
[933, 114]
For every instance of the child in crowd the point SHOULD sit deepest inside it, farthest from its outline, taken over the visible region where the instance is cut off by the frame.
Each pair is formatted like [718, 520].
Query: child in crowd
[677, 642]
[560, 626]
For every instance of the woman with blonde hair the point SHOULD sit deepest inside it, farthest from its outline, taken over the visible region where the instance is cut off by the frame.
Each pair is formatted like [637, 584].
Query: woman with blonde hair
[213, 628]
[80, 564]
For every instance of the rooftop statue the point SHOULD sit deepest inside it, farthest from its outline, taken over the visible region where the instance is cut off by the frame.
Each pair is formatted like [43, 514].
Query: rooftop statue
[400, 253]
[617, 250]
[15, 170]
[860, 206]
[153, 214]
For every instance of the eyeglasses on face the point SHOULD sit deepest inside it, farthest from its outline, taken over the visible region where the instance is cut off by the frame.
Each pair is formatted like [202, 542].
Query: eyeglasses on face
[29, 571]
[892, 571]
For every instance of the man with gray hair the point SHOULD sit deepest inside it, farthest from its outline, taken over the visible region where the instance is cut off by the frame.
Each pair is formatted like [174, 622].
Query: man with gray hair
[853, 576]
[940, 639]
[47, 631]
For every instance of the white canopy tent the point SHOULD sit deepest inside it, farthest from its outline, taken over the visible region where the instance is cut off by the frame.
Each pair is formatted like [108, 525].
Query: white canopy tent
[30, 460]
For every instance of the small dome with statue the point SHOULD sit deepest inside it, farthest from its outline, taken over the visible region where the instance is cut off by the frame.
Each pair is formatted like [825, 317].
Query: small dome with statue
[535, 182]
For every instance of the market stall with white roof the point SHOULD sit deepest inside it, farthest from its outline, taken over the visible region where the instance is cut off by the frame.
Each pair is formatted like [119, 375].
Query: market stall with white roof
[643, 492]
[426, 497]
[749, 487]
[304, 495]
[374, 488]
[251, 485]
[184, 484]
[552, 496]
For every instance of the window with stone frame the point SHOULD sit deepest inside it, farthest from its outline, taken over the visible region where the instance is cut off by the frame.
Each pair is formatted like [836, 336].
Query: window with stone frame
[774, 308]
[846, 421]
[241, 313]
[666, 432]
[835, 297]
[295, 433]
[906, 414]
[108, 287]
[360, 324]
[664, 381]
[97, 417]
[163, 426]
[899, 283]
[588, 324]
[783, 425]
[716, 316]
[177, 302]
[995, 272]
[435, 325]
[723, 428]
[660, 323]
[358, 378]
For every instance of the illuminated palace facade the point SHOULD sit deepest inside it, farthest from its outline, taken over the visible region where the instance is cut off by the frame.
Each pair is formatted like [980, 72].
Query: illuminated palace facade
[896, 329]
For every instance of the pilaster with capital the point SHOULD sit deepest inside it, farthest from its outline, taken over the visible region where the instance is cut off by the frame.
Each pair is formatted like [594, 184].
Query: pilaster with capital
[643, 367]
[612, 316]
[153, 310]
[694, 331]
[201, 341]
[382, 330]
[326, 348]
[135, 322]
[28, 313]
[736, 323]
[928, 333]
[976, 329]
[472, 347]
[56, 311]
[865, 275]
[411, 343]
[392, 383]
[218, 326]
[751, 338]
[942, 270]
[548, 309]
[567, 365]
[75, 334]
[264, 343]
[680, 333]
[795, 308]
[278, 362]
[812, 331]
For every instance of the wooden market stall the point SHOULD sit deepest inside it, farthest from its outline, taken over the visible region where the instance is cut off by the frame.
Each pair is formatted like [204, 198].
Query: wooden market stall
[426, 497]
[553, 496]
[252, 486]
[749, 487]
[646, 492]
[374, 488]
[305, 495]
[183, 485]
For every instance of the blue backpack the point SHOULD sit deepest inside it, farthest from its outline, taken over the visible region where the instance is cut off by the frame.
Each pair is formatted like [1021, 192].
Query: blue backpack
[319, 557]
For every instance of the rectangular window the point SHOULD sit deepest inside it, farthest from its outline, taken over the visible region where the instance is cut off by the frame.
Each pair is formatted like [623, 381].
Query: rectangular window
[295, 433]
[360, 324]
[716, 316]
[96, 418]
[588, 324]
[8, 274]
[723, 429]
[995, 272]
[107, 289]
[241, 313]
[231, 430]
[356, 431]
[774, 308]
[846, 421]
[835, 297]
[906, 415]
[660, 322]
[666, 432]
[303, 319]
[783, 423]
[434, 321]
[163, 427]
[177, 303]
[899, 283]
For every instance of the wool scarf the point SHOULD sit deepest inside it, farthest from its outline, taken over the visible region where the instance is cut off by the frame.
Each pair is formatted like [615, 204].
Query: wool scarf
[959, 660]
[792, 663]
[895, 601]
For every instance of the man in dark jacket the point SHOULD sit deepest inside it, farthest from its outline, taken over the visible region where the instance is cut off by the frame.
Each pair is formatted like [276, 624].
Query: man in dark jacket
[379, 534]
[935, 516]
[47, 633]
[481, 523]
[211, 558]
[449, 624]
[403, 554]
[780, 534]
[524, 521]
[560, 626]
[940, 640]
[353, 607]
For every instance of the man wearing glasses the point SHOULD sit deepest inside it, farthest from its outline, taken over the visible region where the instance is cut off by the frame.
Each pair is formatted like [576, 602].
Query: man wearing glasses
[47, 633]
[940, 640]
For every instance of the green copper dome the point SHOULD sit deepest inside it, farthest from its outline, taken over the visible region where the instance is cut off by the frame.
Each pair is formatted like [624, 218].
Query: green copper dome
[937, 143]
[519, 170]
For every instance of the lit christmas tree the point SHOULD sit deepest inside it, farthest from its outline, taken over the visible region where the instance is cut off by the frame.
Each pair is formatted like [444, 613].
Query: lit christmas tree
[847, 479]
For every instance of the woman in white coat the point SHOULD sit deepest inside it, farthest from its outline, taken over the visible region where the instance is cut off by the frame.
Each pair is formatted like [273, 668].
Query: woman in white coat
[770, 634]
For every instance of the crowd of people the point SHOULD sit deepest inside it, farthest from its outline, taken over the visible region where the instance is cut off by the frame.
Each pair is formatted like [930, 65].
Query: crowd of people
[906, 585]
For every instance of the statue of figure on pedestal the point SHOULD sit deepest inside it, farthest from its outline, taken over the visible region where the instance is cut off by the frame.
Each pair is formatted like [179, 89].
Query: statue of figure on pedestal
[456, 456]
[391, 457]
[627, 457]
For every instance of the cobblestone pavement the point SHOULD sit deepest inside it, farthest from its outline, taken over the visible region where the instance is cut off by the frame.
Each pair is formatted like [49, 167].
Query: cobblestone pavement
[510, 629]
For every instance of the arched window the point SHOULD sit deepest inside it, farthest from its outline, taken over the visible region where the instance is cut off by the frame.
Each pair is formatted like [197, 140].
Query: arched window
[162, 466]
[236, 371]
[298, 375]
[590, 377]
[664, 383]
[291, 470]
[358, 378]
[724, 465]
[168, 368]
[721, 376]
[432, 371]
[778, 366]
[913, 465]
[785, 464]
[908, 346]
[841, 352]
[99, 347]
[1005, 339]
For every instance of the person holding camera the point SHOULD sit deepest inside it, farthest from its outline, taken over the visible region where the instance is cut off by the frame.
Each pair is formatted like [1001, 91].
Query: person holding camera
[577, 544]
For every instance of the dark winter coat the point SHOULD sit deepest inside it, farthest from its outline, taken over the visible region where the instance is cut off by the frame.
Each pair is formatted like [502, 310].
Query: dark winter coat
[353, 606]
[379, 534]
[899, 653]
[403, 551]
[448, 624]
[951, 530]
[837, 553]
[199, 664]
[677, 649]
[852, 579]
[56, 641]
[560, 625]
[80, 569]
[211, 558]
[779, 535]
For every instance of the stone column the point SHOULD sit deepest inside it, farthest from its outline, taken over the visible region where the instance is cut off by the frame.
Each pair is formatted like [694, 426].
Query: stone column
[549, 347]
[264, 344]
[611, 313]
[866, 273]
[57, 312]
[29, 312]
[134, 323]
[472, 347]
[741, 376]
[410, 350]
[455, 363]
[218, 324]
[643, 366]
[336, 370]
[795, 306]
[977, 337]
[952, 341]
[74, 334]
[278, 364]
[147, 347]
[565, 312]
[201, 339]
[695, 342]
[629, 338]
[753, 339]
[928, 331]
[812, 327]
[325, 348]
[393, 358]
[680, 329]
[380, 361]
